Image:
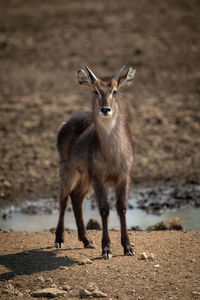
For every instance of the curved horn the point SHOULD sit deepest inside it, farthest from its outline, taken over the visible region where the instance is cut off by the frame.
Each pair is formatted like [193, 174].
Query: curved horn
[116, 77]
[92, 76]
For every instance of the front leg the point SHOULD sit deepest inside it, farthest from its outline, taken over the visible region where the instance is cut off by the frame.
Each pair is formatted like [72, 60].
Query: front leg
[122, 195]
[101, 196]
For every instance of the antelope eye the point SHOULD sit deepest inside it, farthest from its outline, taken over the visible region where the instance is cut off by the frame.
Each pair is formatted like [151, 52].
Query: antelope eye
[114, 92]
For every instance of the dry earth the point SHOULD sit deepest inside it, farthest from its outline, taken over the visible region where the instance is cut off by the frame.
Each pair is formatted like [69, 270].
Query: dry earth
[29, 263]
[43, 44]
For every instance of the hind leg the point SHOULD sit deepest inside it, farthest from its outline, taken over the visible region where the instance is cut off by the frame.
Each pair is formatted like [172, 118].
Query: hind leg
[77, 197]
[64, 199]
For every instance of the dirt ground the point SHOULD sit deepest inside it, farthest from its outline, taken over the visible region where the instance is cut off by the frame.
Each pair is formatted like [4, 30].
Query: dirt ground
[43, 44]
[172, 274]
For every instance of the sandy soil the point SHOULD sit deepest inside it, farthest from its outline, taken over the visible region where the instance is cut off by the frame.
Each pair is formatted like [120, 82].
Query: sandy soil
[43, 44]
[172, 274]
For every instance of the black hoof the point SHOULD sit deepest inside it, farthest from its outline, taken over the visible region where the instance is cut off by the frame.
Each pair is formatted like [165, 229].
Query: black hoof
[59, 240]
[129, 252]
[106, 254]
[58, 245]
[90, 246]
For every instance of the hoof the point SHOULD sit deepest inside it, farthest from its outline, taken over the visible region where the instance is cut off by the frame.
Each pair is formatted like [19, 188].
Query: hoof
[106, 254]
[90, 246]
[58, 245]
[129, 253]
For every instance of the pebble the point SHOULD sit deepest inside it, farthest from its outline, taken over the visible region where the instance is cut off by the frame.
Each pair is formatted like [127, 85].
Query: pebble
[49, 280]
[66, 287]
[63, 268]
[7, 184]
[40, 279]
[172, 224]
[196, 293]
[19, 294]
[49, 293]
[87, 294]
[85, 262]
[93, 224]
[146, 256]
[157, 266]
[8, 289]
[91, 291]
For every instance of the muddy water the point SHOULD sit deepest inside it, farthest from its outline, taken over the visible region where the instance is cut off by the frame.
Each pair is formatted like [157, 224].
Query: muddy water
[17, 220]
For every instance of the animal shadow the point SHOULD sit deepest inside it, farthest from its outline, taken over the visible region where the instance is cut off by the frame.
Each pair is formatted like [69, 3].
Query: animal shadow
[33, 261]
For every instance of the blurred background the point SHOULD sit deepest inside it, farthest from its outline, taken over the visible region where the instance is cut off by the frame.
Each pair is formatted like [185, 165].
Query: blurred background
[44, 43]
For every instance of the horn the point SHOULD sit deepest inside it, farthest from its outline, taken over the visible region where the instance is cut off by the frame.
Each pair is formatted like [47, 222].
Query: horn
[116, 77]
[92, 76]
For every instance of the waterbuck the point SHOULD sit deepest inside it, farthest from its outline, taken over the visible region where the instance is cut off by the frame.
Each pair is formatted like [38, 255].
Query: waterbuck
[96, 151]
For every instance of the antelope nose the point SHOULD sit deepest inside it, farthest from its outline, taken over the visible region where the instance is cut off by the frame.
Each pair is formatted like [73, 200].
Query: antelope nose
[105, 110]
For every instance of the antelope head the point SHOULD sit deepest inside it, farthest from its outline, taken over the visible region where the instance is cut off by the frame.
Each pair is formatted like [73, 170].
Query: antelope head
[105, 89]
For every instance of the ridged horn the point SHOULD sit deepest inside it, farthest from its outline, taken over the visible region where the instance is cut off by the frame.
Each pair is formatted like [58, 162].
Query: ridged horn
[91, 74]
[116, 77]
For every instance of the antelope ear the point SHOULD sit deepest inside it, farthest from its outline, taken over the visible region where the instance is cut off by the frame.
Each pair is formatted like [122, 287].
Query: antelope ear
[83, 78]
[127, 77]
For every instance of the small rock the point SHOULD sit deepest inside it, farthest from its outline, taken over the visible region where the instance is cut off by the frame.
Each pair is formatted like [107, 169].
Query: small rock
[4, 216]
[146, 256]
[87, 294]
[83, 293]
[66, 287]
[157, 266]
[136, 228]
[19, 294]
[8, 289]
[93, 224]
[7, 184]
[172, 224]
[92, 287]
[196, 293]
[50, 280]
[85, 262]
[150, 256]
[31, 210]
[52, 230]
[40, 279]
[63, 268]
[143, 256]
[49, 293]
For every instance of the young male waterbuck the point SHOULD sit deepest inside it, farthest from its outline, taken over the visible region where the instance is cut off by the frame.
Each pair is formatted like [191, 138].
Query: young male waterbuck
[96, 150]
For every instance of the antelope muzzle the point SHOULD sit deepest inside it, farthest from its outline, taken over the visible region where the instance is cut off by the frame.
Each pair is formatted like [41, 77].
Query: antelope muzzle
[106, 111]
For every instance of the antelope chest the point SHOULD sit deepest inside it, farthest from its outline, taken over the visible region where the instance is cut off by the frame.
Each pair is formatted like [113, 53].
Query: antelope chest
[112, 164]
